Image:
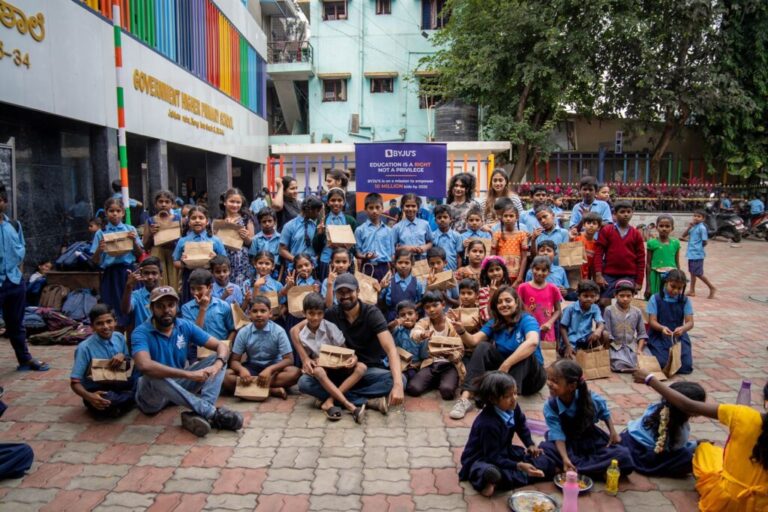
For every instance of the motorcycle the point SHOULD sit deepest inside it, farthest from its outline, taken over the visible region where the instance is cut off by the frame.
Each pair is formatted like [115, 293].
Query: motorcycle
[725, 224]
[758, 227]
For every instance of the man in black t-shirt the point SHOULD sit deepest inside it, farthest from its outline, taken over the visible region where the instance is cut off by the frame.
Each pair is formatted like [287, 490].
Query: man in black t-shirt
[365, 330]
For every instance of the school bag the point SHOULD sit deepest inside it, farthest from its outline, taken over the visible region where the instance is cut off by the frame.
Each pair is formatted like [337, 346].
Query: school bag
[76, 257]
[53, 296]
[55, 320]
[78, 304]
[33, 322]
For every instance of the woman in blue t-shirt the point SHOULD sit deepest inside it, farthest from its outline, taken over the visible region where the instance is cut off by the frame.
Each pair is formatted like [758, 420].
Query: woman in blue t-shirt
[508, 342]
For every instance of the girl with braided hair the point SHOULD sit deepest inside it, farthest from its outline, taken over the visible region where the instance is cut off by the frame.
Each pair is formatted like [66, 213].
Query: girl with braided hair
[658, 441]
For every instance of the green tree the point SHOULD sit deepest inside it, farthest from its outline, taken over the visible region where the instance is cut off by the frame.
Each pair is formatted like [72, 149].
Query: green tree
[523, 62]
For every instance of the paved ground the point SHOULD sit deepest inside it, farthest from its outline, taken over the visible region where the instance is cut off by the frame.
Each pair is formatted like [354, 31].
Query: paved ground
[290, 458]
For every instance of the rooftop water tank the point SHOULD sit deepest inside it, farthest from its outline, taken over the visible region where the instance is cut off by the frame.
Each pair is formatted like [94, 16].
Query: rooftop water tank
[455, 120]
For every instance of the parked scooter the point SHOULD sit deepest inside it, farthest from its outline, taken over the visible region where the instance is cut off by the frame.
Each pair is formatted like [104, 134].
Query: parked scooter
[725, 224]
[758, 227]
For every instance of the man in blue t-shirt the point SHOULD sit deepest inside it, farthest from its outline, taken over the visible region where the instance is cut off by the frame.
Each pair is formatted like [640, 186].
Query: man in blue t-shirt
[159, 348]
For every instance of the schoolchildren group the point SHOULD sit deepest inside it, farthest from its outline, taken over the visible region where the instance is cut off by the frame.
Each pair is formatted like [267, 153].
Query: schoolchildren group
[470, 300]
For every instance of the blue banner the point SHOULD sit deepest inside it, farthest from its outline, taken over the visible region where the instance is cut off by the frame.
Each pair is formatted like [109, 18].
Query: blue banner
[401, 168]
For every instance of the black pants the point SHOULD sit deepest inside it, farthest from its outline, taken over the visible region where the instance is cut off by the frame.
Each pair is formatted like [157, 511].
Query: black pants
[528, 373]
[442, 375]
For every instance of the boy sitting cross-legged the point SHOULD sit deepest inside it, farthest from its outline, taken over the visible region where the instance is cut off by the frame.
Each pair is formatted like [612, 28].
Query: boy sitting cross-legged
[307, 340]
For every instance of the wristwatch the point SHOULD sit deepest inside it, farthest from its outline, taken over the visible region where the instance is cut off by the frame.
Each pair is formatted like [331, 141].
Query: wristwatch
[223, 362]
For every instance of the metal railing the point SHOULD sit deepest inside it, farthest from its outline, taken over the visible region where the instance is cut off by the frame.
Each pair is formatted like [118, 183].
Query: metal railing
[281, 52]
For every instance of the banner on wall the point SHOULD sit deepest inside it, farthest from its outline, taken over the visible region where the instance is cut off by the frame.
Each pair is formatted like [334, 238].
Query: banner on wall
[401, 168]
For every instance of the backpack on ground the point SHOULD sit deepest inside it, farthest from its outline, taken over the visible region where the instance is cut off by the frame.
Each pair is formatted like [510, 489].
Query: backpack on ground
[53, 296]
[78, 304]
[76, 257]
[33, 321]
[55, 320]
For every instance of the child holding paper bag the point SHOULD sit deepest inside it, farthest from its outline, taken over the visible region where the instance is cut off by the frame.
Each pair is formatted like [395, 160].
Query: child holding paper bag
[197, 231]
[670, 315]
[165, 228]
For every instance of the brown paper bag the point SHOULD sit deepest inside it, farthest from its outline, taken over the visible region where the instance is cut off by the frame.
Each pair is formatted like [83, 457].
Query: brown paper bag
[548, 352]
[368, 293]
[444, 345]
[296, 296]
[595, 362]
[405, 358]
[169, 229]
[651, 365]
[118, 243]
[572, 254]
[443, 281]
[469, 317]
[251, 391]
[274, 300]
[228, 233]
[100, 371]
[674, 362]
[198, 254]
[641, 305]
[334, 357]
[203, 352]
[340, 236]
[420, 269]
[239, 316]
[487, 242]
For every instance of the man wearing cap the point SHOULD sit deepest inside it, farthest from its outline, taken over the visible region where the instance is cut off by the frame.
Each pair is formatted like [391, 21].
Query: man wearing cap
[365, 331]
[159, 348]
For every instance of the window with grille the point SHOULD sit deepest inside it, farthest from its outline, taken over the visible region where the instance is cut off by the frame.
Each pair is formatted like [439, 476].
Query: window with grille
[432, 16]
[382, 85]
[383, 6]
[335, 90]
[334, 11]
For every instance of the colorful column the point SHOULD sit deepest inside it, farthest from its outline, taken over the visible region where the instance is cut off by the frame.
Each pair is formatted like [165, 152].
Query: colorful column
[120, 75]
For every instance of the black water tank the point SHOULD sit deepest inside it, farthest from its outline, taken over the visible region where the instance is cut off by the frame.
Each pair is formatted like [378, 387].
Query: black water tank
[455, 120]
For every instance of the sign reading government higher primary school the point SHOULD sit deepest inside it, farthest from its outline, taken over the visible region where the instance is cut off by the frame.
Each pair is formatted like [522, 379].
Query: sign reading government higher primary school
[401, 168]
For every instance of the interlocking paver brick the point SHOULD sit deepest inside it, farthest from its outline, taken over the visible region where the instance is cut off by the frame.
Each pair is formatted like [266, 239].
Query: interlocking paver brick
[207, 456]
[282, 503]
[51, 475]
[178, 502]
[144, 479]
[125, 501]
[240, 481]
[96, 477]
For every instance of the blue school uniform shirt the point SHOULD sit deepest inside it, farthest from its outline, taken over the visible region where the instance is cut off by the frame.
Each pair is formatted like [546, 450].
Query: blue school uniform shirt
[452, 243]
[756, 206]
[558, 236]
[652, 308]
[696, 238]
[218, 246]
[269, 243]
[377, 239]
[324, 290]
[131, 202]
[95, 347]
[294, 239]
[332, 219]
[106, 260]
[264, 347]
[647, 438]
[552, 415]
[412, 232]
[257, 204]
[508, 340]
[403, 283]
[578, 322]
[475, 234]
[218, 320]
[557, 276]
[235, 296]
[402, 337]
[140, 306]
[528, 218]
[12, 251]
[600, 207]
[168, 350]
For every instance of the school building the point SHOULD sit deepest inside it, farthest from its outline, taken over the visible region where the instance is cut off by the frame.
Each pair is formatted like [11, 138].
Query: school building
[194, 81]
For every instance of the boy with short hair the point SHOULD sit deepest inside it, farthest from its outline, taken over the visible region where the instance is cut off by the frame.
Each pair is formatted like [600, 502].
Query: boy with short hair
[103, 399]
[212, 315]
[268, 239]
[591, 224]
[549, 230]
[306, 341]
[438, 262]
[268, 352]
[375, 240]
[557, 275]
[446, 238]
[697, 240]
[539, 196]
[474, 226]
[407, 316]
[468, 298]
[135, 303]
[619, 253]
[223, 289]
[576, 326]
[588, 188]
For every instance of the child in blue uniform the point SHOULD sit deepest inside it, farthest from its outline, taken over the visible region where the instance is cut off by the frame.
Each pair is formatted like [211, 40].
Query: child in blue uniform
[574, 441]
[268, 239]
[658, 441]
[341, 261]
[197, 231]
[490, 461]
[412, 233]
[375, 240]
[403, 285]
[135, 303]
[670, 317]
[335, 217]
[407, 316]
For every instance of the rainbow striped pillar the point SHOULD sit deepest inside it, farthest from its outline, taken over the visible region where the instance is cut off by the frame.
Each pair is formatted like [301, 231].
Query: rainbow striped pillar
[120, 75]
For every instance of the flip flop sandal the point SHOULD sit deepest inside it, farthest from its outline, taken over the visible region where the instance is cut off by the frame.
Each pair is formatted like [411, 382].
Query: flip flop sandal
[333, 413]
[359, 414]
[34, 365]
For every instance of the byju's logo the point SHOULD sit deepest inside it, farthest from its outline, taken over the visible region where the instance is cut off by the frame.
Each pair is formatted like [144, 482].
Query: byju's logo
[394, 153]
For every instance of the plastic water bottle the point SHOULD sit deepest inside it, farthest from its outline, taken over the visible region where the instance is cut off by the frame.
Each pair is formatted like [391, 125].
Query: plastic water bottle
[745, 393]
[612, 478]
[571, 492]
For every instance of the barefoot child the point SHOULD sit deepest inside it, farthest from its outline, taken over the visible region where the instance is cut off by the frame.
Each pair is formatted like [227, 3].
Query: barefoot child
[574, 441]
[490, 462]
[105, 400]
[697, 240]
[658, 441]
[625, 327]
[670, 317]
[663, 255]
[268, 351]
[307, 340]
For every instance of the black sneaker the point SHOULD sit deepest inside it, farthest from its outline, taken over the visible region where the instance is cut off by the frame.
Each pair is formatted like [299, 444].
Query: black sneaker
[225, 419]
[195, 424]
